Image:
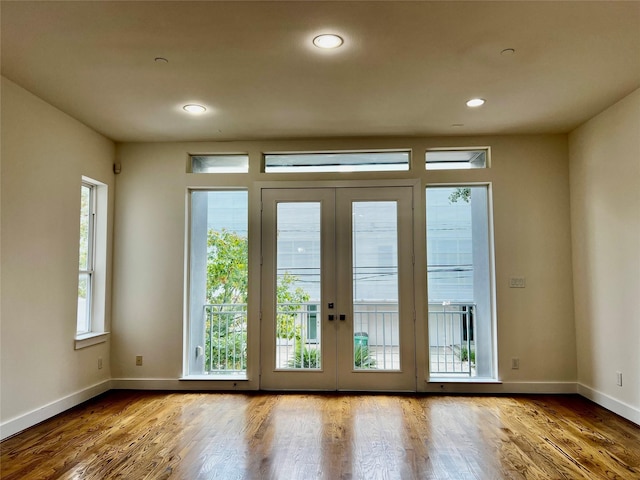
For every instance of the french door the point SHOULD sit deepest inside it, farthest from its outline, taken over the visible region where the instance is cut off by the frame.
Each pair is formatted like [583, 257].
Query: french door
[337, 289]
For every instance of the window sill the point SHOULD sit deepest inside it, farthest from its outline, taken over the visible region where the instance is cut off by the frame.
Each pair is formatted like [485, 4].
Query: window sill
[233, 377]
[89, 339]
[436, 380]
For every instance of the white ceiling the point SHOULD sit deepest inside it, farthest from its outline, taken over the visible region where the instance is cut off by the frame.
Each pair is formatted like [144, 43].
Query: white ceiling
[406, 68]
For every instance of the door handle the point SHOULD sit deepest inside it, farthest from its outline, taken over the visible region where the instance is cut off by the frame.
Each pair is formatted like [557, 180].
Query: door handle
[343, 317]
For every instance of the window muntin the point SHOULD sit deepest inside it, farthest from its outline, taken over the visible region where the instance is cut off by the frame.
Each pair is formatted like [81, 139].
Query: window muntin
[456, 159]
[304, 162]
[220, 163]
[86, 258]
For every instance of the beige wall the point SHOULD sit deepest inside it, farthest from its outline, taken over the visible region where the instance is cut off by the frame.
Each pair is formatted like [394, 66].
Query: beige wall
[530, 179]
[44, 154]
[605, 212]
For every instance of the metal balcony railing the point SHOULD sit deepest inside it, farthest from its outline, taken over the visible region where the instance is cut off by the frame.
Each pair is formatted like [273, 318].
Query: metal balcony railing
[376, 327]
[225, 338]
[451, 339]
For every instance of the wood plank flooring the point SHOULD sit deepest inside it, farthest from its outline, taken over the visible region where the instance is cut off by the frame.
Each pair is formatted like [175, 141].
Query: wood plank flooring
[153, 435]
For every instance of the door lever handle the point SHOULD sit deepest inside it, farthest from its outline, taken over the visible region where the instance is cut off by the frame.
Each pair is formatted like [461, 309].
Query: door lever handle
[343, 317]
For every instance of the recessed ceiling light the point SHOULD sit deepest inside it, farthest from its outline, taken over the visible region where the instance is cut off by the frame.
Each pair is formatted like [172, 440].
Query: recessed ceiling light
[195, 109]
[475, 102]
[161, 60]
[328, 40]
[508, 51]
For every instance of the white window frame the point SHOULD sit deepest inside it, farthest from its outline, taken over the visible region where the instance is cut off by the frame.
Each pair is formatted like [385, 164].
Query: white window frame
[456, 164]
[88, 270]
[339, 161]
[96, 266]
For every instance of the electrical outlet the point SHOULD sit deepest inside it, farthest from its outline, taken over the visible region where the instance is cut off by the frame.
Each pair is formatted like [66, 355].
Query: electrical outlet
[139, 360]
[515, 363]
[99, 363]
[619, 379]
[517, 282]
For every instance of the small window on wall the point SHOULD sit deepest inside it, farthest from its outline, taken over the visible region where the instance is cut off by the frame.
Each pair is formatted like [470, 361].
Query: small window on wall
[220, 163]
[92, 264]
[385, 161]
[456, 159]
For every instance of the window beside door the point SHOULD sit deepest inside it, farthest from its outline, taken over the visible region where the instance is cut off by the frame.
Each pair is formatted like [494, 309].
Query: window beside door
[461, 325]
[218, 279]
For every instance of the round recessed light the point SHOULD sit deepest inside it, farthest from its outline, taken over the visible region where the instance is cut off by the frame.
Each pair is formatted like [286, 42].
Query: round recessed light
[475, 102]
[508, 51]
[195, 109]
[328, 40]
[160, 60]
[457, 125]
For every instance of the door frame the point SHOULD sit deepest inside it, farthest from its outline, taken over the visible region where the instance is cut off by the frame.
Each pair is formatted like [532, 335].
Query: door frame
[418, 281]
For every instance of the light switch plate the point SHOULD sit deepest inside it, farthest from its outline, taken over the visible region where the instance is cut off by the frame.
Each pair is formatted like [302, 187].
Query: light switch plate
[517, 282]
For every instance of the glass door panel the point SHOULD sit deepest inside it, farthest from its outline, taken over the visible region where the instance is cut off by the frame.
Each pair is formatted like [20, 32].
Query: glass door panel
[297, 339]
[375, 286]
[376, 344]
[298, 308]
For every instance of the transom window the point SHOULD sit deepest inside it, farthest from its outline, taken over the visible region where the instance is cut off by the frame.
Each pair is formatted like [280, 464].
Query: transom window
[220, 163]
[381, 161]
[456, 159]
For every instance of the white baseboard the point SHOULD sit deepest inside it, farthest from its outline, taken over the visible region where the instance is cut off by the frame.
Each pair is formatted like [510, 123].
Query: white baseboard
[177, 385]
[40, 414]
[477, 387]
[29, 419]
[625, 410]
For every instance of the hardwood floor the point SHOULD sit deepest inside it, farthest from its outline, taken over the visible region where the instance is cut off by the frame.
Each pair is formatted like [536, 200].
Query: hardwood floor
[151, 435]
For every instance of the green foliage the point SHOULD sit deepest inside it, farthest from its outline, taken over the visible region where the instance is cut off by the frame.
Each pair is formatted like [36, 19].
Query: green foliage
[305, 357]
[461, 193]
[464, 354]
[290, 300]
[226, 338]
[227, 269]
[362, 358]
[227, 274]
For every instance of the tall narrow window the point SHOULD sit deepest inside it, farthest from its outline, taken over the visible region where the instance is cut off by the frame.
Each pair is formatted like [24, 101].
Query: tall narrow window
[86, 257]
[218, 275]
[91, 321]
[461, 323]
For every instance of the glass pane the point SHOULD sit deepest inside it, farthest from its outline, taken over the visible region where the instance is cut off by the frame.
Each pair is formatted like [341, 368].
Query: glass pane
[85, 212]
[218, 282]
[455, 159]
[458, 281]
[298, 332]
[376, 332]
[83, 303]
[237, 163]
[336, 162]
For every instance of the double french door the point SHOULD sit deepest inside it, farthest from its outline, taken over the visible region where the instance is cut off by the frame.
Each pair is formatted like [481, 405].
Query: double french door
[337, 289]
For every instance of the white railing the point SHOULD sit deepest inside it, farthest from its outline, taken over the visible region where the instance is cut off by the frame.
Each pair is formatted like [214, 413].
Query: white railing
[376, 337]
[226, 338]
[451, 339]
